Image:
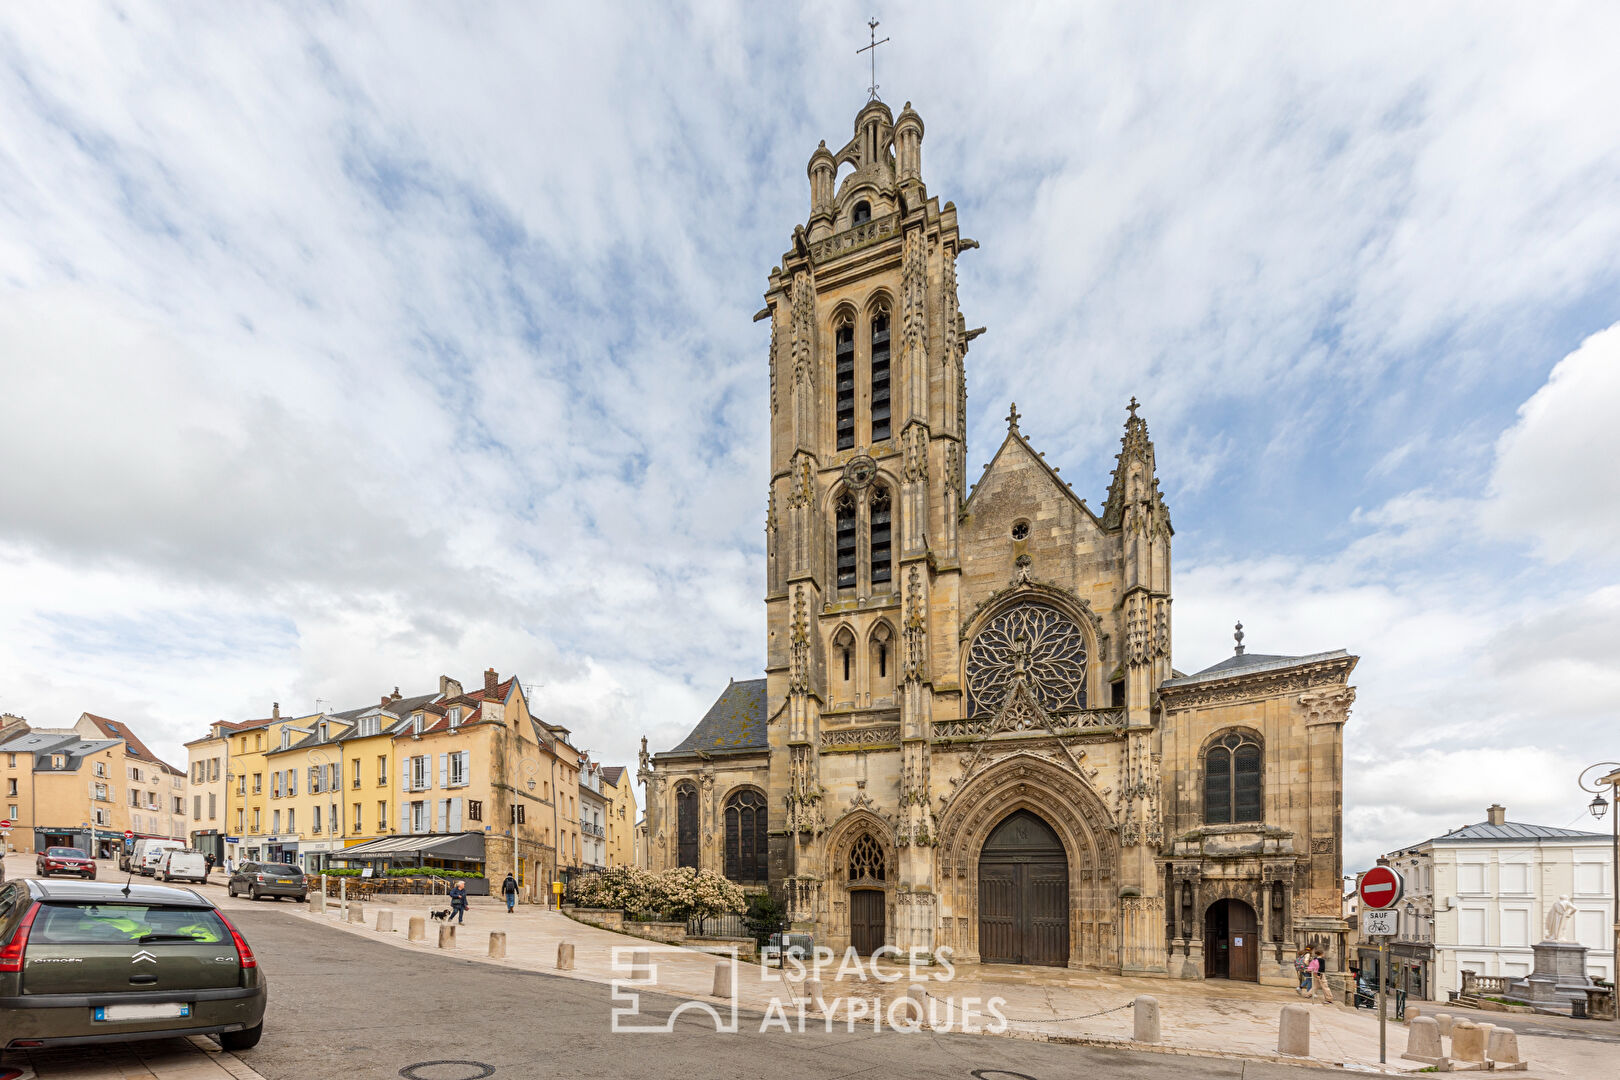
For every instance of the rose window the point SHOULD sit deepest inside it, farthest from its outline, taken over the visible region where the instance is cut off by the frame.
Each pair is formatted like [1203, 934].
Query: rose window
[1034, 642]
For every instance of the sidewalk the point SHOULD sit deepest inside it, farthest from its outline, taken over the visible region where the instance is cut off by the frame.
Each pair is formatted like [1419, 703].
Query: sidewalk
[1206, 1018]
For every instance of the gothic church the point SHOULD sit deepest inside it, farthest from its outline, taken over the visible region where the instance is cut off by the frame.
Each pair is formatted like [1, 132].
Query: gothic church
[970, 733]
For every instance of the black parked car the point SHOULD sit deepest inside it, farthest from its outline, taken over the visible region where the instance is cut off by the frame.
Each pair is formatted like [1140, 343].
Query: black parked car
[255, 880]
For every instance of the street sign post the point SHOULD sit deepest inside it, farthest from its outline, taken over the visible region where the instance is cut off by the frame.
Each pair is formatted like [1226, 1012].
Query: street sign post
[128, 835]
[5, 823]
[1380, 889]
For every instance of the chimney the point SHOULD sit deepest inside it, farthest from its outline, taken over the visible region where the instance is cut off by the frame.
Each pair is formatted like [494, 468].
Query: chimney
[491, 681]
[386, 700]
[396, 695]
[1496, 814]
[448, 687]
[275, 710]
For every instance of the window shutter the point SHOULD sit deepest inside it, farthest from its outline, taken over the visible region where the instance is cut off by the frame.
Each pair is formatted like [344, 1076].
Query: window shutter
[466, 766]
[334, 778]
[443, 814]
[405, 776]
[292, 781]
[455, 815]
[404, 816]
[444, 770]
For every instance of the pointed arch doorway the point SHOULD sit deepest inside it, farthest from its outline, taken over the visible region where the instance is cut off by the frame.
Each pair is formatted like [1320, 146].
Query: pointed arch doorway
[1231, 945]
[1024, 894]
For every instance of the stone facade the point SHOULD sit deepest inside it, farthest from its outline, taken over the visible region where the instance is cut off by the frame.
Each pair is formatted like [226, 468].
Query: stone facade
[941, 661]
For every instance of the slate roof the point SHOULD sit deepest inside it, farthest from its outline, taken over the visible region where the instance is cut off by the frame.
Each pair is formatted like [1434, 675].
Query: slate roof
[1251, 664]
[1485, 832]
[42, 745]
[611, 774]
[137, 749]
[736, 721]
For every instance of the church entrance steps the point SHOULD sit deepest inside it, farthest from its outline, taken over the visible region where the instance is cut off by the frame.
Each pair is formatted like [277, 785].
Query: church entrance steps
[1216, 1018]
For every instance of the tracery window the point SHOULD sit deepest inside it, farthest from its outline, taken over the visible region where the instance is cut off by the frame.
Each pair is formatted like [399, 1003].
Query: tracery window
[746, 830]
[844, 376]
[846, 541]
[1033, 641]
[1232, 780]
[866, 860]
[882, 559]
[880, 377]
[686, 826]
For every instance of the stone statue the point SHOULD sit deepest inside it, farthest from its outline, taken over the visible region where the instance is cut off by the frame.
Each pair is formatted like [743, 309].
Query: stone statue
[1560, 920]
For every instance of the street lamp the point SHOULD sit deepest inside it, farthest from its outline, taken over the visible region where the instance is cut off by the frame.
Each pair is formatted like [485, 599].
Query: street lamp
[1597, 808]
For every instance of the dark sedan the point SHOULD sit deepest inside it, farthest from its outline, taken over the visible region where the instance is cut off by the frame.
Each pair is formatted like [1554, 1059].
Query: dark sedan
[256, 880]
[91, 963]
[64, 860]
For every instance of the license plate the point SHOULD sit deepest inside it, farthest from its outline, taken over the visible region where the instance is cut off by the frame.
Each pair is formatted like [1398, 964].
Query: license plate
[285, 881]
[158, 1010]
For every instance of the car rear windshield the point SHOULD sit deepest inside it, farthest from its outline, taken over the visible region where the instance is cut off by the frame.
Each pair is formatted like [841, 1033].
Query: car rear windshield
[112, 924]
[64, 853]
[279, 870]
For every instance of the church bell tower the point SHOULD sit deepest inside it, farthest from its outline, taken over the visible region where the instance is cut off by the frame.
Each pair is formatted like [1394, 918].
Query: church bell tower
[868, 432]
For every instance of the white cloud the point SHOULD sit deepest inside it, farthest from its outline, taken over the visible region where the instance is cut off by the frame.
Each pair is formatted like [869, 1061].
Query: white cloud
[1555, 480]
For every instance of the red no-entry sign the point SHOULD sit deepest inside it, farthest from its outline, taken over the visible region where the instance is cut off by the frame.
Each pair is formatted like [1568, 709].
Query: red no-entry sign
[128, 835]
[1380, 888]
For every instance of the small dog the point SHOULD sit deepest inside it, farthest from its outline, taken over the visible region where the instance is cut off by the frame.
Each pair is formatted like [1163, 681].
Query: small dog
[441, 915]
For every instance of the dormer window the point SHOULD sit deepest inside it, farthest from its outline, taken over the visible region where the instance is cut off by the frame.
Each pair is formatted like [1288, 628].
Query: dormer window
[454, 717]
[286, 738]
[416, 724]
[863, 213]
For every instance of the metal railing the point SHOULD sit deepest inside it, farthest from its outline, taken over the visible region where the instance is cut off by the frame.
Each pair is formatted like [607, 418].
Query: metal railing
[718, 926]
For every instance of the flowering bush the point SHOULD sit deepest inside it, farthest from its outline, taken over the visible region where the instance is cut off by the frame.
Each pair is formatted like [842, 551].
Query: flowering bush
[678, 893]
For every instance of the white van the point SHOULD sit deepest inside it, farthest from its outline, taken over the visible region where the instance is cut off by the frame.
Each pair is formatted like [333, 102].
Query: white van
[178, 864]
[147, 852]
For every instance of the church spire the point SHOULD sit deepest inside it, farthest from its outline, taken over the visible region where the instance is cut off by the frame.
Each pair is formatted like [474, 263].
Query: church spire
[1134, 460]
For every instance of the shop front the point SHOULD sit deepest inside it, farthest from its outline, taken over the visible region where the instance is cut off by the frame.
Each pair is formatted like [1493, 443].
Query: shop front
[210, 842]
[281, 849]
[315, 856]
[80, 837]
[450, 852]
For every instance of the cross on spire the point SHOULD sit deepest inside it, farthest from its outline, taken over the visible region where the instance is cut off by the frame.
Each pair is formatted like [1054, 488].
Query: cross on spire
[1012, 417]
[872, 91]
[1133, 406]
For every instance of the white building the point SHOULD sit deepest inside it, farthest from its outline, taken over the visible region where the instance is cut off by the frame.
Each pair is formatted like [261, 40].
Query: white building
[592, 815]
[1477, 899]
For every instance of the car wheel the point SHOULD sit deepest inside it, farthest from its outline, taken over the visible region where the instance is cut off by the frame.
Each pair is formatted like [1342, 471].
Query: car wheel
[253, 894]
[303, 899]
[246, 1039]
[230, 891]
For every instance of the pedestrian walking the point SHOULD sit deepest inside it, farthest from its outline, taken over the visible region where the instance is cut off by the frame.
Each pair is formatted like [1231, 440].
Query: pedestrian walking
[208, 865]
[509, 889]
[458, 901]
[1318, 969]
[1302, 970]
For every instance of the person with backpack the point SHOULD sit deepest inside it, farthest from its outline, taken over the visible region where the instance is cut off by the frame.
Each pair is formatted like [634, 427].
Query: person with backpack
[1302, 971]
[509, 889]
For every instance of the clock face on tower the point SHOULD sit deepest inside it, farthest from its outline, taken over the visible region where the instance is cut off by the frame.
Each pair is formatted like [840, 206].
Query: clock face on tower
[860, 471]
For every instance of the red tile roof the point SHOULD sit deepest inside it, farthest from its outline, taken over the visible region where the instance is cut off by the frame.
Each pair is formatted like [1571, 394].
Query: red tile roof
[119, 730]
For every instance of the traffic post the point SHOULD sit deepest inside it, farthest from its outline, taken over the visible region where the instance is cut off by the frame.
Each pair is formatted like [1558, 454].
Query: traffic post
[1380, 889]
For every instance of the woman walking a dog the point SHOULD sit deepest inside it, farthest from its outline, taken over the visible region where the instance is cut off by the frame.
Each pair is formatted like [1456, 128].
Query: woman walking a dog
[458, 901]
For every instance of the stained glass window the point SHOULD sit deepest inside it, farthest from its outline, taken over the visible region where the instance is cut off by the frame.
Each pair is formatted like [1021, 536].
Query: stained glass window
[1232, 781]
[1038, 641]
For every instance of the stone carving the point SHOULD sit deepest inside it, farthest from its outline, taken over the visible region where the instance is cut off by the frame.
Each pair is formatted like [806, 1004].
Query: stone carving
[860, 471]
[853, 239]
[803, 328]
[805, 794]
[1034, 641]
[799, 673]
[774, 356]
[914, 300]
[1250, 687]
[1136, 629]
[915, 441]
[1036, 589]
[801, 482]
[1321, 845]
[1161, 629]
[1331, 706]
[915, 634]
[1561, 920]
[862, 736]
[1089, 719]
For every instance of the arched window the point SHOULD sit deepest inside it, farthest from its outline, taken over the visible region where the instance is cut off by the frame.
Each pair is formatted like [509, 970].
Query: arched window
[862, 214]
[881, 671]
[686, 826]
[865, 860]
[844, 663]
[745, 838]
[880, 377]
[1232, 780]
[844, 358]
[881, 558]
[846, 541]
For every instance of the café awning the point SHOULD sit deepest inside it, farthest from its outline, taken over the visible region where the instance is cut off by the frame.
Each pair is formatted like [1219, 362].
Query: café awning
[461, 847]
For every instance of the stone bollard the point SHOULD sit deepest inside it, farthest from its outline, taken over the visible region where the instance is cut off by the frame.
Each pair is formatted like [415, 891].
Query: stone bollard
[1467, 1042]
[1147, 1020]
[447, 937]
[1294, 1031]
[918, 993]
[812, 990]
[640, 966]
[1412, 1013]
[357, 914]
[317, 901]
[1423, 1041]
[1503, 1050]
[497, 944]
[416, 929]
[1444, 1020]
[385, 922]
[722, 979]
[565, 956]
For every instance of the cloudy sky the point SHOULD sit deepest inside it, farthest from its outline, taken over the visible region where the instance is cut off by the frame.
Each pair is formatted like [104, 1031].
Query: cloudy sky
[342, 345]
